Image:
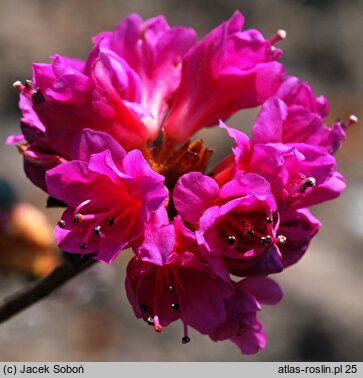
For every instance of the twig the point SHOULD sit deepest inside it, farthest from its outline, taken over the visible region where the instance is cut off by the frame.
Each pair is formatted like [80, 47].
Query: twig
[14, 303]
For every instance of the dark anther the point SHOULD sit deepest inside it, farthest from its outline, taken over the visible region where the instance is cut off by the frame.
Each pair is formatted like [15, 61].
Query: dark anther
[143, 307]
[38, 97]
[231, 240]
[171, 288]
[263, 241]
[28, 84]
[185, 340]
[250, 232]
[62, 224]
[83, 246]
[150, 320]
[97, 230]
[110, 221]
[175, 306]
[308, 183]
[268, 239]
[238, 334]
[269, 220]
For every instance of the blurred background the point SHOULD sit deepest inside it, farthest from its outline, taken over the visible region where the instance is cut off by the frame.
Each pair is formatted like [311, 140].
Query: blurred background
[90, 319]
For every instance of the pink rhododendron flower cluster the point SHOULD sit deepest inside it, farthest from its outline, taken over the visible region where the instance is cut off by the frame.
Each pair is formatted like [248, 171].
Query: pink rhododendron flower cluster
[110, 138]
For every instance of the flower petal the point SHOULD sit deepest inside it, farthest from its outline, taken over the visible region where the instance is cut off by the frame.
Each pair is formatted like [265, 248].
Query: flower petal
[193, 194]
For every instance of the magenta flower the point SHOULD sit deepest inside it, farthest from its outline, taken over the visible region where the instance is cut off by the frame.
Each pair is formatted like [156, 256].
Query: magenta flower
[124, 87]
[101, 96]
[155, 52]
[110, 195]
[298, 116]
[237, 223]
[32, 144]
[242, 326]
[300, 174]
[185, 287]
[226, 71]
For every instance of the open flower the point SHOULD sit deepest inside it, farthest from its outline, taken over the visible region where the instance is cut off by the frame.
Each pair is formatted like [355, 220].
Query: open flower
[110, 196]
[101, 96]
[300, 174]
[183, 287]
[226, 71]
[242, 326]
[155, 51]
[186, 287]
[237, 223]
[32, 144]
[124, 88]
[295, 115]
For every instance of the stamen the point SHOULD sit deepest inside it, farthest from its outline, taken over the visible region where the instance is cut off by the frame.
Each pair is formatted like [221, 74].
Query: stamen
[268, 239]
[61, 224]
[232, 240]
[38, 96]
[28, 84]
[150, 320]
[269, 220]
[97, 231]
[17, 84]
[282, 33]
[83, 246]
[171, 288]
[279, 36]
[282, 239]
[308, 183]
[95, 219]
[250, 232]
[79, 207]
[353, 119]
[22, 88]
[175, 307]
[185, 340]
[157, 326]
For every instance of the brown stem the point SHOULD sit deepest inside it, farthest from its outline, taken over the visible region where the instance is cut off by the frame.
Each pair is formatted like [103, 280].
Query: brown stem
[14, 303]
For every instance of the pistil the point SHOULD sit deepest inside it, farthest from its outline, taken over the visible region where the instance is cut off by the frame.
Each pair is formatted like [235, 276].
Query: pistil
[28, 89]
[279, 36]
